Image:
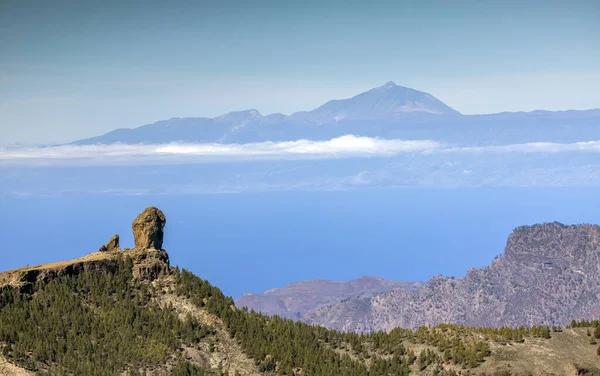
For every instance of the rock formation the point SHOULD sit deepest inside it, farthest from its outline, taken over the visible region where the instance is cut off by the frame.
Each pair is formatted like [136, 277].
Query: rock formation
[148, 257]
[149, 260]
[112, 245]
[148, 229]
[549, 274]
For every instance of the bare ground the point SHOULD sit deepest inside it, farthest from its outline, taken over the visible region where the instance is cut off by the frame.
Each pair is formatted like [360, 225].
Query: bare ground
[9, 369]
[563, 354]
[227, 354]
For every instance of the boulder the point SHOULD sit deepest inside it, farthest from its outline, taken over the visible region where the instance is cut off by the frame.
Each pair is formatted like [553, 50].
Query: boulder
[148, 229]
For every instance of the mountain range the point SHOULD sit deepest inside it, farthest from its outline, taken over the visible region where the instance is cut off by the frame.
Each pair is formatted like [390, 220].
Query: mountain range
[389, 111]
[549, 274]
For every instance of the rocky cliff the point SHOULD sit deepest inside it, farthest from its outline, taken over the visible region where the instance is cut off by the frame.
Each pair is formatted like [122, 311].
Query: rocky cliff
[549, 274]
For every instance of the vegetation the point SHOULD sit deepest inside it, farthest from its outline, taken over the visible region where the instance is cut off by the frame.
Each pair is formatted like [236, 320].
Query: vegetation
[106, 323]
[283, 344]
[91, 324]
[585, 324]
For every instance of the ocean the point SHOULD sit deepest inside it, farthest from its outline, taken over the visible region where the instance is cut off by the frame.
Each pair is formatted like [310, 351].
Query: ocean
[251, 242]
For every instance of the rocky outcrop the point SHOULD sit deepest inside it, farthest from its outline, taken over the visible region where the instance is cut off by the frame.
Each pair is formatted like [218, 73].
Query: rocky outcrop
[112, 245]
[149, 259]
[148, 229]
[148, 263]
[549, 274]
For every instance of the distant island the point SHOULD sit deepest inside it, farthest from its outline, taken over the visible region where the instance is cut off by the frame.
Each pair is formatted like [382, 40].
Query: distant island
[389, 111]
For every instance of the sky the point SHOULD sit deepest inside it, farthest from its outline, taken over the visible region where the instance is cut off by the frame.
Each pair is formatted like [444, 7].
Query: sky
[254, 242]
[71, 70]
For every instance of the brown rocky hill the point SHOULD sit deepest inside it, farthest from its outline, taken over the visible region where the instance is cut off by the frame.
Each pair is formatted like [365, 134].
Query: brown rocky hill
[297, 299]
[549, 274]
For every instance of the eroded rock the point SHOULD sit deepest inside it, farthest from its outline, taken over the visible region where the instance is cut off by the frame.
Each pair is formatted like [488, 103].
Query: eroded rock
[112, 245]
[148, 229]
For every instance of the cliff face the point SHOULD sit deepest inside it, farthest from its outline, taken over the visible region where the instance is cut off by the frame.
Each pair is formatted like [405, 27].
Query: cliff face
[549, 274]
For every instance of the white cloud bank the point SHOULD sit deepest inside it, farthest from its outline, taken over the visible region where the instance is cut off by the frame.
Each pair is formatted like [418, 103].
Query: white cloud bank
[341, 147]
[533, 147]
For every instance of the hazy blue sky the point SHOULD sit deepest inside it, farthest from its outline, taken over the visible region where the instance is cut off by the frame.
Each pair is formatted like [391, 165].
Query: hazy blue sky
[70, 69]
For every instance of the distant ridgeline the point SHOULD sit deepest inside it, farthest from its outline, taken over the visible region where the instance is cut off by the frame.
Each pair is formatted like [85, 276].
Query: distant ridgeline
[389, 111]
[128, 312]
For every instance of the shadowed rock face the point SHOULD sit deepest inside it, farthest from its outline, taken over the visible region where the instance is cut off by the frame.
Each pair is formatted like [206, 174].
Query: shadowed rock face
[148, 229]
[112, 245]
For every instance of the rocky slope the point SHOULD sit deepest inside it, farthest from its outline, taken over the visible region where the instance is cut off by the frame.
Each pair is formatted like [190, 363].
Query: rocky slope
[549, 274]
[297, 299]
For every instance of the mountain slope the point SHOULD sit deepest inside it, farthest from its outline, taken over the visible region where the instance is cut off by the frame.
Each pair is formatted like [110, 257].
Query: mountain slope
[128, 312]
[385, 101]
[549, 274]
[389, 111]
[297, 299]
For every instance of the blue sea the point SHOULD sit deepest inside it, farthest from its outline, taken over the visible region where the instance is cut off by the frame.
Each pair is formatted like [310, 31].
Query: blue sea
[251, 242]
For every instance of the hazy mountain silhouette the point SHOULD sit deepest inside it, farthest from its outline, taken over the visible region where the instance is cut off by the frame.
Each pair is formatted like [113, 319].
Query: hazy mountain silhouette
[388, 111]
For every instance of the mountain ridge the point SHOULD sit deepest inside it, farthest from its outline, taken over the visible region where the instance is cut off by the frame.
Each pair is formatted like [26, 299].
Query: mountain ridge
[387, 111]
[386, 101]
[525, 284]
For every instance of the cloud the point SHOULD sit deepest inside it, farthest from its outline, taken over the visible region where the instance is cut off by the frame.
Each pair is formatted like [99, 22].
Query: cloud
[341, 147]
[532, 147]
[348, 146]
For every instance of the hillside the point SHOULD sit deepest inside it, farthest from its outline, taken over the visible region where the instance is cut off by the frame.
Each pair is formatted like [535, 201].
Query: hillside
[548, 274]
[128, 312]
[297, 299]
